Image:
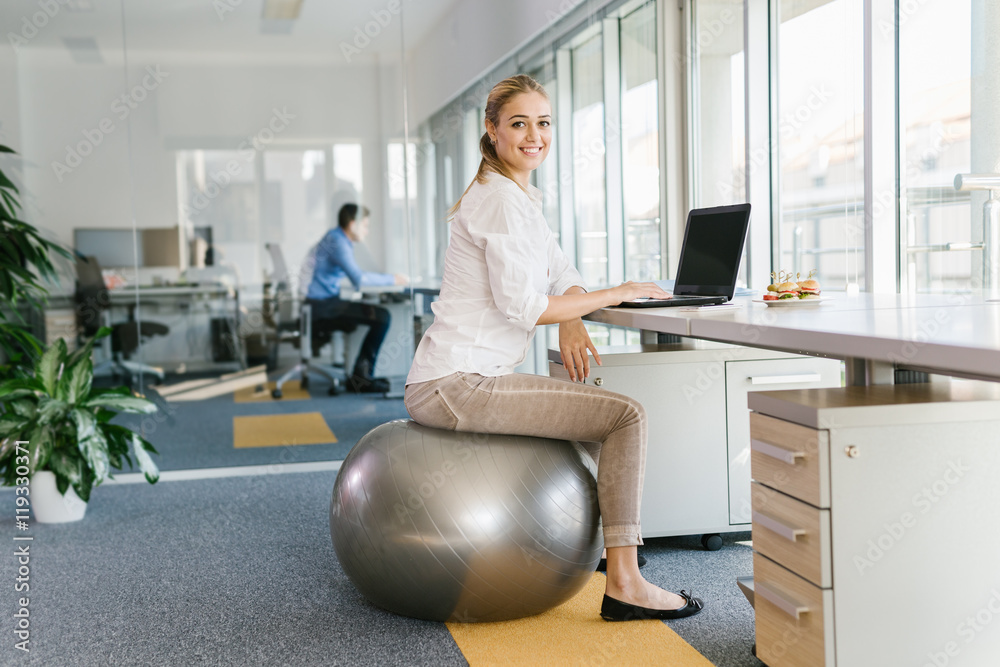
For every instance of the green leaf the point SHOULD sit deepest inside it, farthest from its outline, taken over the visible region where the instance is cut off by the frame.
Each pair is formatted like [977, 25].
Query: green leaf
[84, 350]
[86, 424]
[141, 449]
[16, 394]
[67, 464]
[95, 453]
[23, 408]
[40, 445]
[7, 183]
[12, 425]
[84, 486]
[50, 365]
[8, 387]
[51, 410]
[133, 404]
[77, 381]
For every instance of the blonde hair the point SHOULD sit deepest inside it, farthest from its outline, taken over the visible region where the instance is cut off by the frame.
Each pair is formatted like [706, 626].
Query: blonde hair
[500, 95]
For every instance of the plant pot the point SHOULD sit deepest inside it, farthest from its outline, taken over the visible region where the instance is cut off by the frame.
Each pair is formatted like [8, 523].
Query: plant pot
[48, 505]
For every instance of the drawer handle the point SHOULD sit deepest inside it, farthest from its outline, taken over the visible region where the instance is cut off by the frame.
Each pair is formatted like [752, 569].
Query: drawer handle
[784, 379]
[780, 600]
[775, 452]
[776, 526]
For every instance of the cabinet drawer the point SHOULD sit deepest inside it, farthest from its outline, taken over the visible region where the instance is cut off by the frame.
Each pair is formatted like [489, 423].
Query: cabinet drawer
[792, 533]
[794, 619]
[791, 458]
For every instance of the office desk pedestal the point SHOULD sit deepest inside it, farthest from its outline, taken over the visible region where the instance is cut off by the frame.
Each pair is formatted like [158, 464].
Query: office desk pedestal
[875, 527]
[698, 457]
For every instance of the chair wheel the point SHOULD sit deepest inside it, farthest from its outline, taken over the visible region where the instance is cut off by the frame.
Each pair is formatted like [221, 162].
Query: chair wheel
[304, 382]
[276, 393]
[334, 389]
[711, 541]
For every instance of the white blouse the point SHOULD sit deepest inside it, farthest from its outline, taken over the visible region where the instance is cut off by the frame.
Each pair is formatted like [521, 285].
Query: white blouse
[502, 261]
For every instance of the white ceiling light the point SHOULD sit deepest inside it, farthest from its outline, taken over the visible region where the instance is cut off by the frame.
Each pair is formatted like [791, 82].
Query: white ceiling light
[281, 10]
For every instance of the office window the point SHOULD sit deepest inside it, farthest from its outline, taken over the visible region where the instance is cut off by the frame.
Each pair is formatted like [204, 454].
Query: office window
[719, 160]
[546, 177]
[935, 65]
[640, 145]
[820, 134]
[296, 209]
[219, 190]
[347, 171]
[589, 184]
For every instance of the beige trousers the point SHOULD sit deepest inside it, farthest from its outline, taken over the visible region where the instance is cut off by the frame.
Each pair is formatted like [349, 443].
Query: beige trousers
[541, 406]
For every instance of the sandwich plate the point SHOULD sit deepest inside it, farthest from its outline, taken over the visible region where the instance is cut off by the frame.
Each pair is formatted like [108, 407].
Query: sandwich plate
[793, 303]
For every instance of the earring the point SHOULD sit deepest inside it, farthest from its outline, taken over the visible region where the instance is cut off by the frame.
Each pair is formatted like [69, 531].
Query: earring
[493, 141]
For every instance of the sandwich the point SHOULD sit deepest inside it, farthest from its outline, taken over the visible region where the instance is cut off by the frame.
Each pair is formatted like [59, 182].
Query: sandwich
[789, 290]
[809, 289]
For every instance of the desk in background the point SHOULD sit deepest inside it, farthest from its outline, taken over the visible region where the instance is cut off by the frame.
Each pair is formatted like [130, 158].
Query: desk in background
[189, 311]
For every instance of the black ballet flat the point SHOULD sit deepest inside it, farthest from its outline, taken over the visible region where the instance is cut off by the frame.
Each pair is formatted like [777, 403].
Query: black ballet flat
[616, 610]
[602, 565]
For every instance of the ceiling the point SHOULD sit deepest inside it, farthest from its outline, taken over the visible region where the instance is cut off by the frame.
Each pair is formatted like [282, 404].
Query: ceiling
[325, 29]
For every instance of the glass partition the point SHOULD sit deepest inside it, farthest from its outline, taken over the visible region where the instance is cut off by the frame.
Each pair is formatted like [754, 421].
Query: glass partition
[202, 151]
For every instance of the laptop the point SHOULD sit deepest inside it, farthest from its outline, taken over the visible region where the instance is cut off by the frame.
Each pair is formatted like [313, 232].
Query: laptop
[710, 258]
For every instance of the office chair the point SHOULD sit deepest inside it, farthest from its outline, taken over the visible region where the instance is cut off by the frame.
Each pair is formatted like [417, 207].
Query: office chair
[301, 331]
[93, 305]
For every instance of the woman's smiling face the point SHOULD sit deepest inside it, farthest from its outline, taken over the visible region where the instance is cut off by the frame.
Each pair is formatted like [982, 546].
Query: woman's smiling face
[523, 134]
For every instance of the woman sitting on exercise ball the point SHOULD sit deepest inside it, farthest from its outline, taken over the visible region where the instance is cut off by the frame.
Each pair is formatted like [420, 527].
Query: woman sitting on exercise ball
[504, 275]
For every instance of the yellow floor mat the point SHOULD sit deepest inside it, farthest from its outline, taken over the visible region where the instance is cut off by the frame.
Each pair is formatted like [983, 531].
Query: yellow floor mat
[307, 428]
[574, 634]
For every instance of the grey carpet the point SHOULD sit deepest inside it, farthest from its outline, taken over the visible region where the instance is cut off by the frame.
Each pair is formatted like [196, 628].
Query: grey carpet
[236, 571]
[199, 434]
[241, 571]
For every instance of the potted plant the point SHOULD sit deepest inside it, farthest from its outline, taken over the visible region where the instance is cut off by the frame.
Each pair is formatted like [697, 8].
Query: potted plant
[25, 261]
[57, 427]
[54, 425]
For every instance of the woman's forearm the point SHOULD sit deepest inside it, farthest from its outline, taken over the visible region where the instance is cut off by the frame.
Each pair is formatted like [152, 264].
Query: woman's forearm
[576, 303]
[571, 305]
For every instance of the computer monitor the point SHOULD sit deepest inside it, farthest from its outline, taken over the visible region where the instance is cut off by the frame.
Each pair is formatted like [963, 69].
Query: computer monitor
[113, 248]
[120, 249]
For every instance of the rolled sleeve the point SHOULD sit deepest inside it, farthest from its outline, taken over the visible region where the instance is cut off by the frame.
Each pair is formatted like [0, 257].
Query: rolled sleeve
[562, 274]
[516, 258]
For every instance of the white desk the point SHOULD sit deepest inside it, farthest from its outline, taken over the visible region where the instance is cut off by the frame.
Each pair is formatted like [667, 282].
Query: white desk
[946, 334]
[874, 538]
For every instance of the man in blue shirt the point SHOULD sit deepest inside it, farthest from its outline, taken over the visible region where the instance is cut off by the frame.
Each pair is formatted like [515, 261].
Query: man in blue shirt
[334, 261]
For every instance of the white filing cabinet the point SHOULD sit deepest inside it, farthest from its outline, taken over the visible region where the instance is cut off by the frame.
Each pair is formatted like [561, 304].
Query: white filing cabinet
[698, 460]
[875, 528]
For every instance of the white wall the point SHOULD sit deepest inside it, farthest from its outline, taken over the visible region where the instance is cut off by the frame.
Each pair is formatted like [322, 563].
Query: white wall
[70, 109]
[469, 40]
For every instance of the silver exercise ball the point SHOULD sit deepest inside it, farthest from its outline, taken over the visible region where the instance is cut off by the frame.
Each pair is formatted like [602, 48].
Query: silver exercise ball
[448, 525]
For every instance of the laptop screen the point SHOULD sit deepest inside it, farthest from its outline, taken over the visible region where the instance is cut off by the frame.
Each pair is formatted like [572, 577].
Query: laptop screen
[711, 252]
